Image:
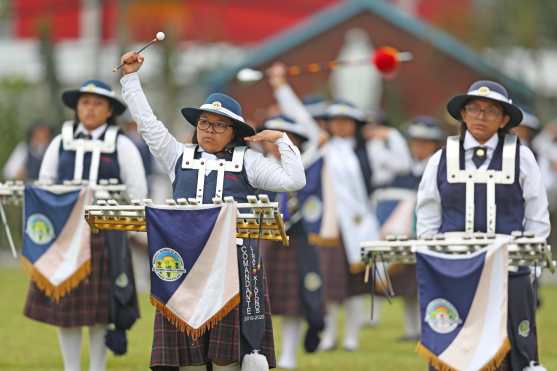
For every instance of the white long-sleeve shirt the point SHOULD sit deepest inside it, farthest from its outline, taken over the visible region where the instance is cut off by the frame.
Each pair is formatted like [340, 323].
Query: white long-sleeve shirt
[262, 173]
[132, 171]
[381, 152]
[536, 214]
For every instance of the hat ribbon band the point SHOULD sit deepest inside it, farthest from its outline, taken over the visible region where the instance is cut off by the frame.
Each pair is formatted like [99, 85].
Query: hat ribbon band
[342, 110]
[491, 95]
[96, 90]
[224, 111]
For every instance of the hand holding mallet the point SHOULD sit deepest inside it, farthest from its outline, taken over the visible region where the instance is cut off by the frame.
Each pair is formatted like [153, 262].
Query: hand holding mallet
[128, 59]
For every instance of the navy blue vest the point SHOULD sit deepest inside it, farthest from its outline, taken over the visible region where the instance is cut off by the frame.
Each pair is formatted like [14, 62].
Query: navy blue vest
[108, 164]
[508, 198]
[235, 184]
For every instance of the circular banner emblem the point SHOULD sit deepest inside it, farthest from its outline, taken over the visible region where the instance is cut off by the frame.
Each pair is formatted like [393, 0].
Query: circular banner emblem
[40, 229]
[312, 209]
[442, 316]
[524, 328]
[312, 281]
[168, 265]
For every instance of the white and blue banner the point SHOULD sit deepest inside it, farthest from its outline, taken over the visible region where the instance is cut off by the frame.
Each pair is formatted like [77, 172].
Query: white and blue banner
[194, 265]
[56, 239]
[463, 307]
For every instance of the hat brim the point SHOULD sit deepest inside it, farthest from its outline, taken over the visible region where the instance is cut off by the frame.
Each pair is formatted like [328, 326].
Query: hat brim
[192, 114]
[456, 104]
[284, 128]
[71, 97]
[340, 115]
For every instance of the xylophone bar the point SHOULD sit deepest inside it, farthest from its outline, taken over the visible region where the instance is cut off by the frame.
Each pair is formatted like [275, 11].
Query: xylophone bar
[12, 191]
[523, 249]
[257, 219]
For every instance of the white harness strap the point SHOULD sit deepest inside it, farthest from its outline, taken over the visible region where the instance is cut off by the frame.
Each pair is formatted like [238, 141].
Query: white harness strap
[81, 146]
[220, 166]
[489, 177]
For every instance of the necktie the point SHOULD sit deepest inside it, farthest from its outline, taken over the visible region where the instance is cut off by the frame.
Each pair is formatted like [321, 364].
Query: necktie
[83, 135]
[479, 156]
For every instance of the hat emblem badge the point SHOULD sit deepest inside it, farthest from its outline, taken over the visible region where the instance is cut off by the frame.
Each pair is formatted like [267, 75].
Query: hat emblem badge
[216, 104]
[484, 90]
[90, 87]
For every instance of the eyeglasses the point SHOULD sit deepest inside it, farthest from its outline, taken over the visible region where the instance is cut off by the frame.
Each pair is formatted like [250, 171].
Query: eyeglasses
[218, 127]
[490, 113]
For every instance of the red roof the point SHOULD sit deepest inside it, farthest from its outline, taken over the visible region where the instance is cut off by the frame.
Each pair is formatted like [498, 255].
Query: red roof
[235, 21]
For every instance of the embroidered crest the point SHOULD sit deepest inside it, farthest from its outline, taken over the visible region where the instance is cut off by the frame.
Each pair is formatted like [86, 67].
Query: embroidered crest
[216, 104]
[312, 281]
[168, 265]
[122, 280]
[312, 209]
[442, 316]
[40, 229]
[524, 328]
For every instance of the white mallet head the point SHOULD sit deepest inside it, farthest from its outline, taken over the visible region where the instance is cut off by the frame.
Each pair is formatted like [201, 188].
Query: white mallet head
[160, 36]
[249, 75]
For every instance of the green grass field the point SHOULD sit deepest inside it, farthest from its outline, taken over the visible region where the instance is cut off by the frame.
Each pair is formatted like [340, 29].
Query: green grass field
[28, 345]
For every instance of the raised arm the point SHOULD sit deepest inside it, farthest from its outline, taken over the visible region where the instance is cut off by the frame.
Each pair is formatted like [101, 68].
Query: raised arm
[289, 102]
[270, 175]
[163, 145]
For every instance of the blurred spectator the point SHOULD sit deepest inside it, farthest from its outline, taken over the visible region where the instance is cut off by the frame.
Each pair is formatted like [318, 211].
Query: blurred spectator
[528, 128]
[25, 160]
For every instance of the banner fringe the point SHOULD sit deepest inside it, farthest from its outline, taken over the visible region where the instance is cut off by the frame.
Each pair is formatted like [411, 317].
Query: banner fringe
[55, 292]
[317, 240]
[439, 365]
[357, 267]
[209, 324]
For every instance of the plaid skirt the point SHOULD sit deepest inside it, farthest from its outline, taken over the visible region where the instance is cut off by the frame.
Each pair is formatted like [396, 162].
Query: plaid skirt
[403, 279]
[173, 348]
[283, 276]
[338, 282]
[85, 305]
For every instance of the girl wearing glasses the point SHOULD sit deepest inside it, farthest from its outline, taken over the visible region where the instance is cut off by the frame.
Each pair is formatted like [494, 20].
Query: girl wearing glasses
[487, 113]
[221, 133]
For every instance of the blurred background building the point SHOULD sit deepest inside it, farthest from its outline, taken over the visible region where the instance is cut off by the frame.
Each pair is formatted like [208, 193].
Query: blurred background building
[50, 45]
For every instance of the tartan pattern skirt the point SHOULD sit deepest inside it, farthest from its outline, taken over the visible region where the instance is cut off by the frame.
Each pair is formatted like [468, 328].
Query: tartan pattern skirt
[283, 276]
[173, 348]
[338, 282]
[85, 305]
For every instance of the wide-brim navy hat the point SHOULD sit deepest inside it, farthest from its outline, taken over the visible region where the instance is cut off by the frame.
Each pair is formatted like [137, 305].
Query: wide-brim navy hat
[316, 106]
[486, 89]
[341, 108]
[425, 127]
[97, 87]
[223, 105]
[287, 125]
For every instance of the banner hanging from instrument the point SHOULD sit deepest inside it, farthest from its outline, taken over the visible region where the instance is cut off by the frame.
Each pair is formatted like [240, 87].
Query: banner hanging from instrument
[56, 248]
[194, 268]
[463, 306]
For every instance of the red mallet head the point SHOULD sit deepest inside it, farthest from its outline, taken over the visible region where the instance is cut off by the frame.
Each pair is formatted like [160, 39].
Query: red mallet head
[386, 60]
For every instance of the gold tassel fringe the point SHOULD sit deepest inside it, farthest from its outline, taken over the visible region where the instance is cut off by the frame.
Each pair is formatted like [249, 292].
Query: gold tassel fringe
[439, 365]
[55, 292]
[317, 240]
[209, 324]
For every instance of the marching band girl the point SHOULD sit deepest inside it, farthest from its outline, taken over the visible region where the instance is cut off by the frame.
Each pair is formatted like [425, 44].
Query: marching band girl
[95, 106]
[487, 113]
[294, 275]
[221, 132]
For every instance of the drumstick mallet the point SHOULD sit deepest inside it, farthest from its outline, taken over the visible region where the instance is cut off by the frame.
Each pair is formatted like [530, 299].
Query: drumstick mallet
[158, 37]
[385, 59]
